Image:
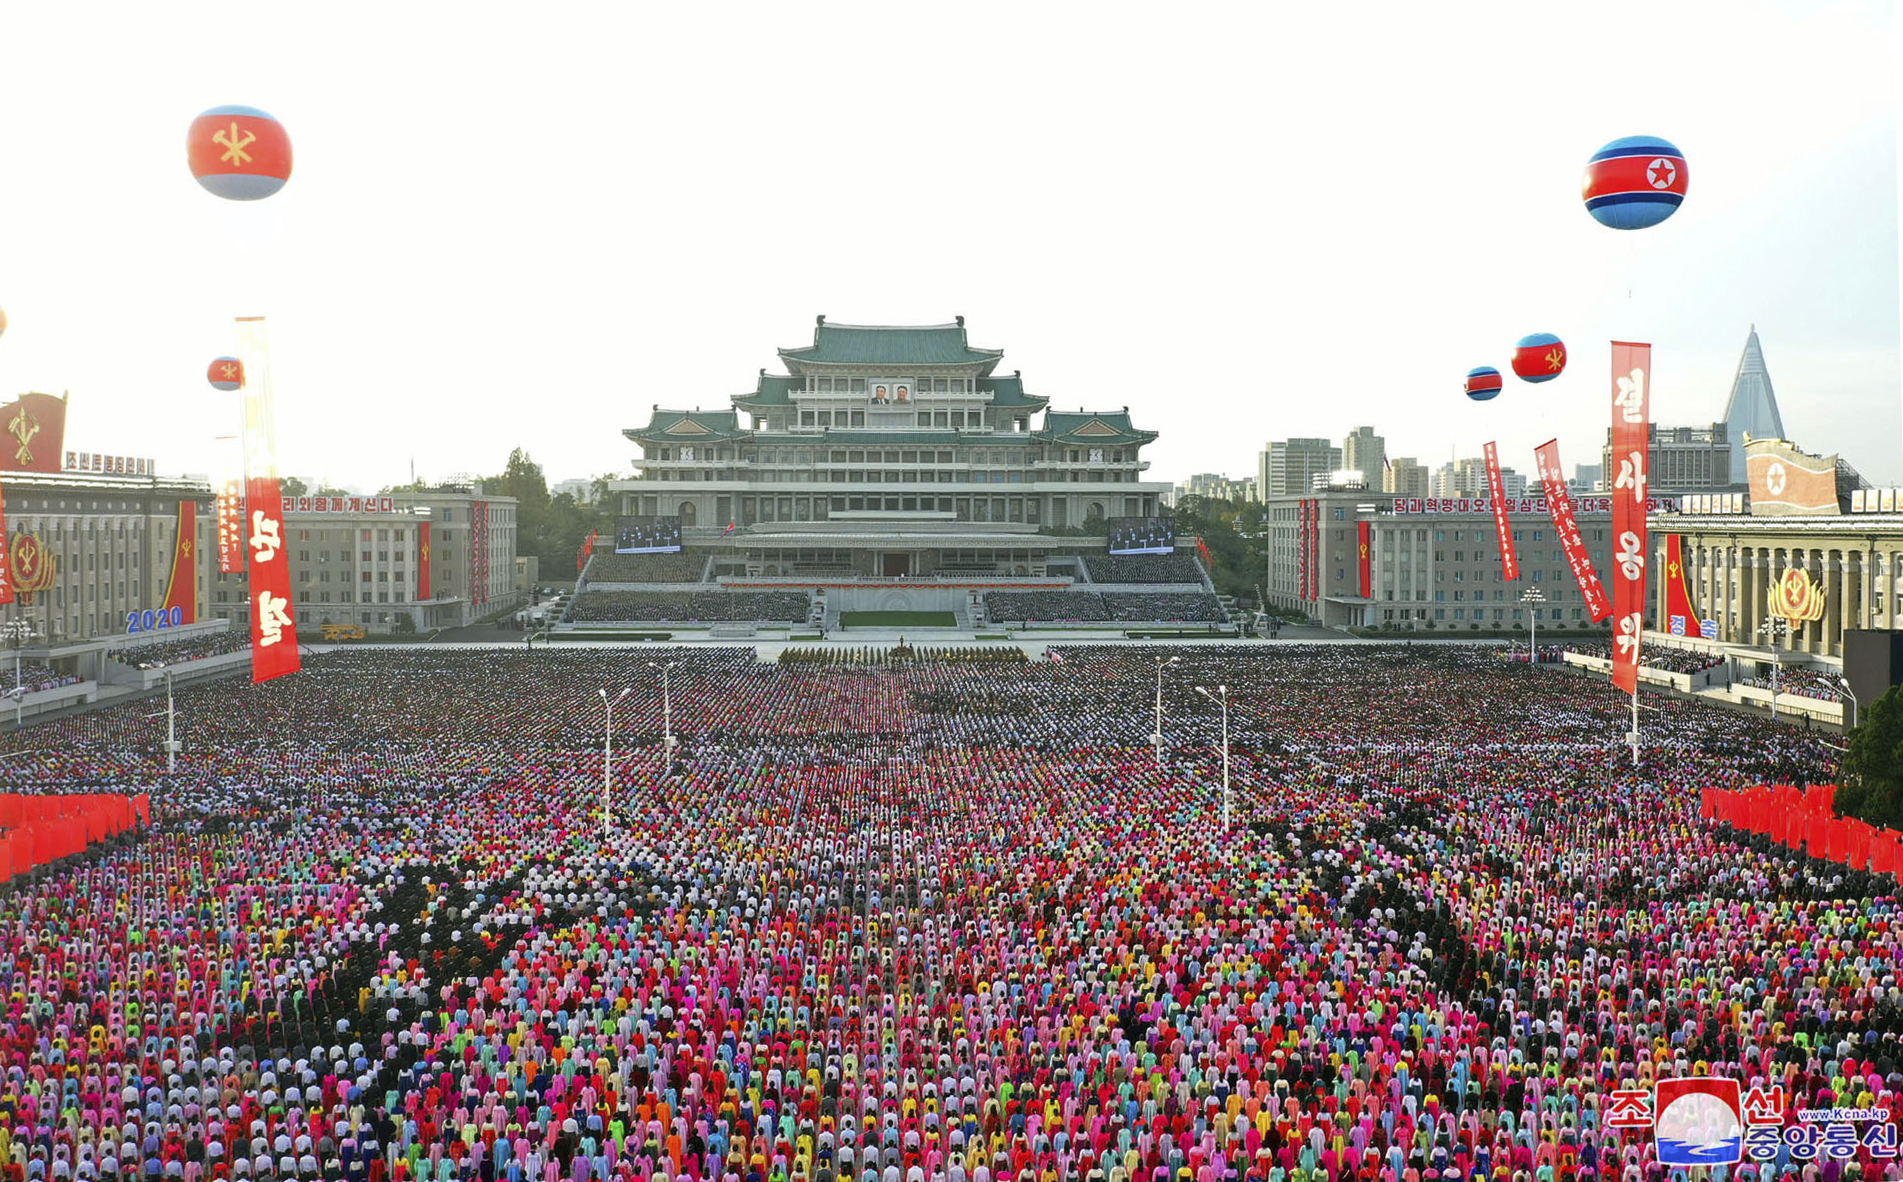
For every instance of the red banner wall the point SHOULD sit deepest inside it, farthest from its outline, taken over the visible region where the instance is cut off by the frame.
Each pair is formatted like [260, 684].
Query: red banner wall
[181, 590]
[6, 560]
[1631, 414]
[1367, 563]
[1560, 506]
[1680, 617]
[422, 550]
[1497, 493]
[273, 622]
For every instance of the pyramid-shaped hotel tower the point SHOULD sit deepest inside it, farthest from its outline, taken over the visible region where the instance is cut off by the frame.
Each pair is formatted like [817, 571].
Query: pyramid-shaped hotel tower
[1752, 407]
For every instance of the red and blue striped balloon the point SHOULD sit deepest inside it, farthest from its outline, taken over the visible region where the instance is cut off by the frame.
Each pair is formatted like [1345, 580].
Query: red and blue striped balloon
[1540, 357]
[1483, 382]
[238, 153]
[1635, 182]
[226, 373]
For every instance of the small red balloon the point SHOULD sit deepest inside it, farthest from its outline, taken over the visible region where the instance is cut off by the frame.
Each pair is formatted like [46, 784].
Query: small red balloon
[226, 373]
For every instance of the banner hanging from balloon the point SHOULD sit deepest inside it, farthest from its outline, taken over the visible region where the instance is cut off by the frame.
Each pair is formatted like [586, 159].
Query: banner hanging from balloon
[228, 505]
[268, 587]
[1367, 564]
[1560, 506]
[1497, 493]
[1681, 617]
[1631, 450]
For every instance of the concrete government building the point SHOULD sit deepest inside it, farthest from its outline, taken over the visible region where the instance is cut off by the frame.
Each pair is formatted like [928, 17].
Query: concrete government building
[894, 452]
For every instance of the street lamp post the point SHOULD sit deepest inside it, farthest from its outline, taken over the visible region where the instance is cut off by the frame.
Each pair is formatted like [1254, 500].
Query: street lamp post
[1774, 628]
[1843, 687]
[667, 714]
[1156, 739]
[171, 725]
[1222, 695]
[1533, 597]
[607, 756]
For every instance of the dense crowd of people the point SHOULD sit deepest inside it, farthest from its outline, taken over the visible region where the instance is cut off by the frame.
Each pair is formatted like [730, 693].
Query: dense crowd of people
[937, 922]
[682, 566]
[1653, 656]
[32, 677]
[1101, 606]
[152, 654]
[683, 607]
[1805, 683]
[1143, 568]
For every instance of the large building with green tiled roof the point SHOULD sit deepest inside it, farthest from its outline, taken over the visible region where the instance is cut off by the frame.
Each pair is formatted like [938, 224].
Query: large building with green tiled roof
[889, 451]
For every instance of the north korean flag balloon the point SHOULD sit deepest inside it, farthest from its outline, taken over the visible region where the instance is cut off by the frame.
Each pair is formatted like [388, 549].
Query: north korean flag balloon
[1483, 382]
[3, 322]
[1539, 358]
[238, 153]
[1635, 183]
[226, 373]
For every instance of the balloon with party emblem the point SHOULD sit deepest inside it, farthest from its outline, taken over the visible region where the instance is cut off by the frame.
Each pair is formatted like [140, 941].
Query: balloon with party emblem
[1635, 183]
[1540, 357]
[226, 373]
[238, 153]
[1483, 382]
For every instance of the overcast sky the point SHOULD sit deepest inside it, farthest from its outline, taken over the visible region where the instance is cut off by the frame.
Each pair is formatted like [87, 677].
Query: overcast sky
[1243, 222]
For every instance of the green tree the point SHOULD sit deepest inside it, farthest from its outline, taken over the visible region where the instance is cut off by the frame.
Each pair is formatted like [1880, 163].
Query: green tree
[1873, 763]
[1231, 530]
[291, 486]
[550, 528]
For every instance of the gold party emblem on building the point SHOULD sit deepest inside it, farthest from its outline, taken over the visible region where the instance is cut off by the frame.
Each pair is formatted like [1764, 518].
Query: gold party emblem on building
[1796, 598]
[23, 427]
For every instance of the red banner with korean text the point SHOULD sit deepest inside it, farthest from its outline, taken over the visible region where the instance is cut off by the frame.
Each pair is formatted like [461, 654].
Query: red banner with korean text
[1560, 506]
[6, 560]
[228, 508]
[1631, 440]
[479, 552]
[1497, 493]
[422, 565]
[1681, 617]
[1301, 549]
[1315, 550]
[268, 583]
[1367, 562]
[181, 590]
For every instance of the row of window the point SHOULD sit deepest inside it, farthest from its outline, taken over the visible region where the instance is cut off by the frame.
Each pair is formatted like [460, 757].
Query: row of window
[818, 385]
[1480, 614]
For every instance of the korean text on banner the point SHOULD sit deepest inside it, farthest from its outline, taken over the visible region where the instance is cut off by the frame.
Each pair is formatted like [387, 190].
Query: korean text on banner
[1631, 439]
[1301, 549]
[1560, 506]
[1496, 492]
[228, 508]
[1367, 566]
[268, 586]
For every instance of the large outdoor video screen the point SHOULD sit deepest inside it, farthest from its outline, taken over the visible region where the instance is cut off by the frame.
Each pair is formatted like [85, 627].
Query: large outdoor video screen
[1142, 535]
[647, 535]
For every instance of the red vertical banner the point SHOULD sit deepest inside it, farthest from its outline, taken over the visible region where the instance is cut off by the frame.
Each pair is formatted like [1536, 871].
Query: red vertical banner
[587, 550]
[1367, 561]
[181, 591]
[1497, 493]
[228, 487]
[1301, 550]
[1681, 617]
[1631, 440]
[422, 561]
[1560, 505]
[268, 583]
[6, 560]
[1315, 550]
